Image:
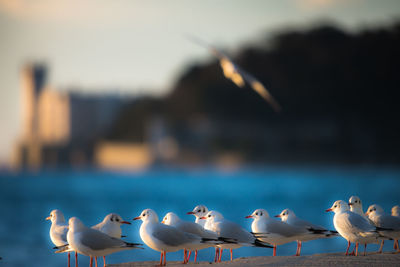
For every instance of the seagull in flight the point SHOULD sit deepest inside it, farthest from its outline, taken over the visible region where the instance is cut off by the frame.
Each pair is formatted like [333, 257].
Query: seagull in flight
[237, 75]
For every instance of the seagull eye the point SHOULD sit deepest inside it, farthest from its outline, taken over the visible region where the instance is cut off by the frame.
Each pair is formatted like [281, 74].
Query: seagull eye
[256, 213]
[204, 210]
[260, 213]
[199, 211]
[209, 215]
[117, 220]
[144, 214]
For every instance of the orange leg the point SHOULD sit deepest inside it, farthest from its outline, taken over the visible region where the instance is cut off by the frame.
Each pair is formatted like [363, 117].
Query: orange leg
[220, 254]
[231, 255]
[165, 258]
[188, 256]
[161, 258]
[104, 261]
[69, 259]
[76, 259]
[95, 261]
[216, 254]
[184, 255]
[356, 249]
[274, 254]
[91, 262]
[195, 256]
[381, 248]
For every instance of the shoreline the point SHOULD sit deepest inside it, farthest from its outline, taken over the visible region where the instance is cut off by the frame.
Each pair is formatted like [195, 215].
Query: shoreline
[326, 259]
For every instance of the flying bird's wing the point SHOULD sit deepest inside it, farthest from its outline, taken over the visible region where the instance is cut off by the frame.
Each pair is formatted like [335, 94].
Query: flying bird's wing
[237, 75]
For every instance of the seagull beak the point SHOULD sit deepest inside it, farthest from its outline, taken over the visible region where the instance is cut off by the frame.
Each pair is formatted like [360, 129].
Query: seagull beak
[203, 218]
[350, 204]
[137, 218]
[278, 216]
[367, 213]
[163, 221]
[249, 216]
[125, 222]
[48, 218]
[328, 210]
[190, 212]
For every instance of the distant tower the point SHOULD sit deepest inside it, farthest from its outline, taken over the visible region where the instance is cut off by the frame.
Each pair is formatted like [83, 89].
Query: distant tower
[28, 150]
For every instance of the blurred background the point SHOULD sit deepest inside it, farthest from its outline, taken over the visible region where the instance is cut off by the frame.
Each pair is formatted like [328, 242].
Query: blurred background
[95, 92]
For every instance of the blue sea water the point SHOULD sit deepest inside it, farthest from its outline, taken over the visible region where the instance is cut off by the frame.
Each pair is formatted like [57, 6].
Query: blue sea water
[26, 200]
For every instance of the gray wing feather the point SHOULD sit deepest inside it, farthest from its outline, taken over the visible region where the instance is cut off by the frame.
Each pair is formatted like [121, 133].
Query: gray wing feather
[97, 240]
[170, 235]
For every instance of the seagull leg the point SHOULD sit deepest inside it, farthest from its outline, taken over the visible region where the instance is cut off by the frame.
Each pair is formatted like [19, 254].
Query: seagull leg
[91, 262]
[365, 249]
[76, 259]
[274, 254]
[231, 255]
[299, 249]
[161, 258]
[95, 261]
[220, 254]
[195, 256]
[69, 259]
[184, 256]
[381, 248]
[347, 250]
[165, 258]
[104, 261]
[216, 254]
[188, 257]
[395, 244]
[352, 253]
[356, 249]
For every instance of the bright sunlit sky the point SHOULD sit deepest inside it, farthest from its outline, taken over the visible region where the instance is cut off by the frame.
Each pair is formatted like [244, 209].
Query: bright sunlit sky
[128, 46]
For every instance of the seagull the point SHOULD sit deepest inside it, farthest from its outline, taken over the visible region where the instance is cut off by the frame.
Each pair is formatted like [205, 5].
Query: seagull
[396, 212]
[165, 238]
[172, 219]
[111, 225]
[312, 231]
[93, 243]
[237, 75]
[273, 231]
[199, 211]
[58, 232]
[356, 207]
[382, 220]
[352, 226]
[227, 229]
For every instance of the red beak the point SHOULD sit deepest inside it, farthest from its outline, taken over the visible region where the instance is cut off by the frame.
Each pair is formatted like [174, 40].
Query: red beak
[190, 212]
[278, 216]
[249, 216]
[328, 210]
[125, 222]
[203, 218]
[137, 218]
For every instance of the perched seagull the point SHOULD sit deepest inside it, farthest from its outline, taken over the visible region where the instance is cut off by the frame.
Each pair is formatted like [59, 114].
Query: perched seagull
[386, 221]
[58, 232]
[93, 243]
[312, 231]
[172, 219]
[352, 226]
[272, 231]
[356, 207]
[230, 230]
[165, 238]
[237, 75]
[396, 212]
[111, 225]
[199, 211]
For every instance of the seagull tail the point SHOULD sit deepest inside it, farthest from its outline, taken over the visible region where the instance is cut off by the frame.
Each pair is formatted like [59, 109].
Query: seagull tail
[133, 245]
[259, 243]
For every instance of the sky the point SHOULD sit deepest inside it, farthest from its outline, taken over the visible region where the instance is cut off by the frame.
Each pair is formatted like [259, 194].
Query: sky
[138, 47]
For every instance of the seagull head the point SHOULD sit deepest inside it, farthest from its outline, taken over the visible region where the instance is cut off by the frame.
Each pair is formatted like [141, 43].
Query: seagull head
[213, 216]
[56, 216]
[373, 210]
[114, 218]
[355, 203]
[285, 215]
[258, 214]
[396, 211]
[170, 219]
[339, 206]
[147, 215]
[199, 211]
[74, 224]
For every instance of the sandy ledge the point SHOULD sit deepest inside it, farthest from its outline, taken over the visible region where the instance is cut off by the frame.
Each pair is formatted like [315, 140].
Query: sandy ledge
[331, 259]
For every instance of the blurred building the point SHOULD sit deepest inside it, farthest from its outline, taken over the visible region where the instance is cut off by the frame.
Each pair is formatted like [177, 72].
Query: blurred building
[62, 129]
